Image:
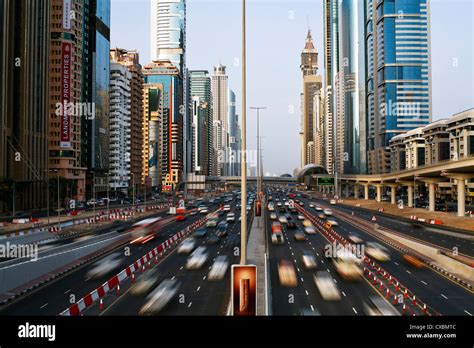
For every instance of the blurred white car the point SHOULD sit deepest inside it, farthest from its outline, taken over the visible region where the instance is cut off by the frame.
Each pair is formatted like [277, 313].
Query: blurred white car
[332, 222]
[332, 201]
[160, 296]
[326, 286]
[327, 211]
[219, 268]
[273, 216]
[378, 306]
[287, 273]
[377, 252]
[144, 284]
[283, 220]
[197, 258]
[230, 217]
[309, 260]
[187, 246]
[104, 266]
[301, 217]
[310, 230]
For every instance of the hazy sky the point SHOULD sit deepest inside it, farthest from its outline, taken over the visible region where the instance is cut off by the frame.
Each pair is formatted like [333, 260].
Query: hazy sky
[276, 32]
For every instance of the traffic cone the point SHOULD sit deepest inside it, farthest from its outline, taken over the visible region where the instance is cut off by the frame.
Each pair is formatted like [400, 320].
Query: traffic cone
[414, 300]
[133, 278]
[156, 259]
[404, 309]
[396, 286]
[118, 289]
[394, 300]
[405, 295]
[390, 279]
[149, 265]
[101, 304]
[375, 280]
[387, 294]
[381, 286]
[424, 308]
[143, 268]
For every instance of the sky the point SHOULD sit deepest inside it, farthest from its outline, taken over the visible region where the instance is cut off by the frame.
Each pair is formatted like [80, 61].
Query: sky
[276, 32]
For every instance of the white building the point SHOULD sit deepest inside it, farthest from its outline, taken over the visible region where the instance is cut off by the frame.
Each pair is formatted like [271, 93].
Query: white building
[120, 127]
[220, 108]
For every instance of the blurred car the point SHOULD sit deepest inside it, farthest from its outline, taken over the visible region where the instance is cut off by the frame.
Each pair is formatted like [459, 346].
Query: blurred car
[222, 229]
[327, 211]
[226, 207]
[219, 268]
[279, 204]
[321, 216]
[271, 207]
[310, 230]
[332, 201]
[377, 252]
[277, 238]
[332, 222]
[283, 220]
[197, 258]
[232, 241]
[291, 225]
[326, 286]
[355, 239]
[213, 239]
[307, 223]
[230, 217]
[160, 296]
[309, 260]
[287, 273]
[193, 212]
[273, 216]
[378, 306]
[311, 205]
[200, 232]
[318, 208]
[413, 261]
[187, 246]
[145, 283]
[299, 236]
[104, 266]
[301, 217]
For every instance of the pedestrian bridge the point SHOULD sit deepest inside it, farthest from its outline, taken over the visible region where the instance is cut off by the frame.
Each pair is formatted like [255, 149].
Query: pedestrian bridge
[250, 179]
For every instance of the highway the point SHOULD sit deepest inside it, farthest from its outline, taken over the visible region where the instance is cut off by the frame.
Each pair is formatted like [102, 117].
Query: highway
[435, 289]
[55, 296]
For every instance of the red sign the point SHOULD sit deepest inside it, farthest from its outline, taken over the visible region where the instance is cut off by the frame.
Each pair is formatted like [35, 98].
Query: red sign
[66, 55]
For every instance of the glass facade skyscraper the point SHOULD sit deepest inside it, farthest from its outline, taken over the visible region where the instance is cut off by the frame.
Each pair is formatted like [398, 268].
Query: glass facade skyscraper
[398, 73]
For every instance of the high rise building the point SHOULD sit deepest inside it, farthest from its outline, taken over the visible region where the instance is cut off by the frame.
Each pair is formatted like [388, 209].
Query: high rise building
[202, 121]
[119, 128]
[398, 81]
[351, 74]
[24, 103]
[231, 147]
[312, 106]
[95, 91]
[220, 109]
[67, 111]
[165, 82]
[130, 59]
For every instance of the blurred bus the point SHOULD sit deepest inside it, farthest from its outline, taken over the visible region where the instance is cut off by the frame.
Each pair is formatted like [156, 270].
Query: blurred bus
[180, 214]
[144, 230]
[413, 261]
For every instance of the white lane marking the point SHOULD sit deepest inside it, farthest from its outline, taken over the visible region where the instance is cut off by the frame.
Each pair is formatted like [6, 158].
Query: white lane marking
[88, 279]
[43, 305]
[67, 291]
[335, 281]
[173, 277]
[190, 304]
[302, 279]
[408, 272]
[354, 310]
[290, 248]
[442, 295]
[181, 267]
[204, 278]
[316, 253]
[328, 269]
[307, 293]
[198, 288]
[292, 254]
[322, 261]
[210, 267]
[312, 308]
[396, 263]
[343, 293]
[298, 269]
[468, 313]
[424, 282]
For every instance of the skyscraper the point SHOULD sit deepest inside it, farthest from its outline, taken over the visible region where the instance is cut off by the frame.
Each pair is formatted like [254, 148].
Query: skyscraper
[24, 103]
[220, 109]
[165, 80]
[202, 121]
[398, 74]
[130, 59]
[67, 87]
[351, 74]
[95, 91]
[231, 148]
[119, 128]
[312, 105]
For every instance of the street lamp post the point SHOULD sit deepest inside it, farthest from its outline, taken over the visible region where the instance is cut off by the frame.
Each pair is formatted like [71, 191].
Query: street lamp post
[259, 164]
[59, 207]
[94, 193]
[108, 195]
[243, 176]
[133, 191]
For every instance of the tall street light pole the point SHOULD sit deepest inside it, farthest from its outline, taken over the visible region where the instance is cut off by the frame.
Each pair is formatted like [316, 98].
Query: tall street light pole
[243, 174]
[259, 164]
[108, 196]
[59, 207]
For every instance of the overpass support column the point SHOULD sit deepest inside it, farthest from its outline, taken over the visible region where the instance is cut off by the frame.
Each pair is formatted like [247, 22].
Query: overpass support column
[366, 192]
[410, 196]
[356, 191]
[379, 193]
[393, 194]
[461, 187]
[431, 191]
[347, 190]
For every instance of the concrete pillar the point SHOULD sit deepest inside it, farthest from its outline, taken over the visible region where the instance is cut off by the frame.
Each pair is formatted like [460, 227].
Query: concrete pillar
[379, 193]
[410, 196]
[431, 196]
[393, 194]
[461, 197]
[356, 191]
[366, 192]
[347, 190]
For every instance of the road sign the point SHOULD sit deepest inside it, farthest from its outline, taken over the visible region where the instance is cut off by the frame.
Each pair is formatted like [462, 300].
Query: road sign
[244, 290]
[326, 181]
[374, 218]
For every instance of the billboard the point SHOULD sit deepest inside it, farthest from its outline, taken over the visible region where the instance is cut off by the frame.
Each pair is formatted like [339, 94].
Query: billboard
[244, 290]
[66, 54]
[328, 181]
[67, 14]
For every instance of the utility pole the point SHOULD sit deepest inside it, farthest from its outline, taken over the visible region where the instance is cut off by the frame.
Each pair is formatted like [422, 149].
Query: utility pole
[259, 165]
[243, 176]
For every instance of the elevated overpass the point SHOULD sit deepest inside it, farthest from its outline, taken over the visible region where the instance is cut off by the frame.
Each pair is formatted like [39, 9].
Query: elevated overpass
[459, 170]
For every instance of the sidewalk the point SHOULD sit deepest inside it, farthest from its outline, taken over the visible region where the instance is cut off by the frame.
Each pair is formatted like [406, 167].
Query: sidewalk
[447, 219]
[256, 249]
